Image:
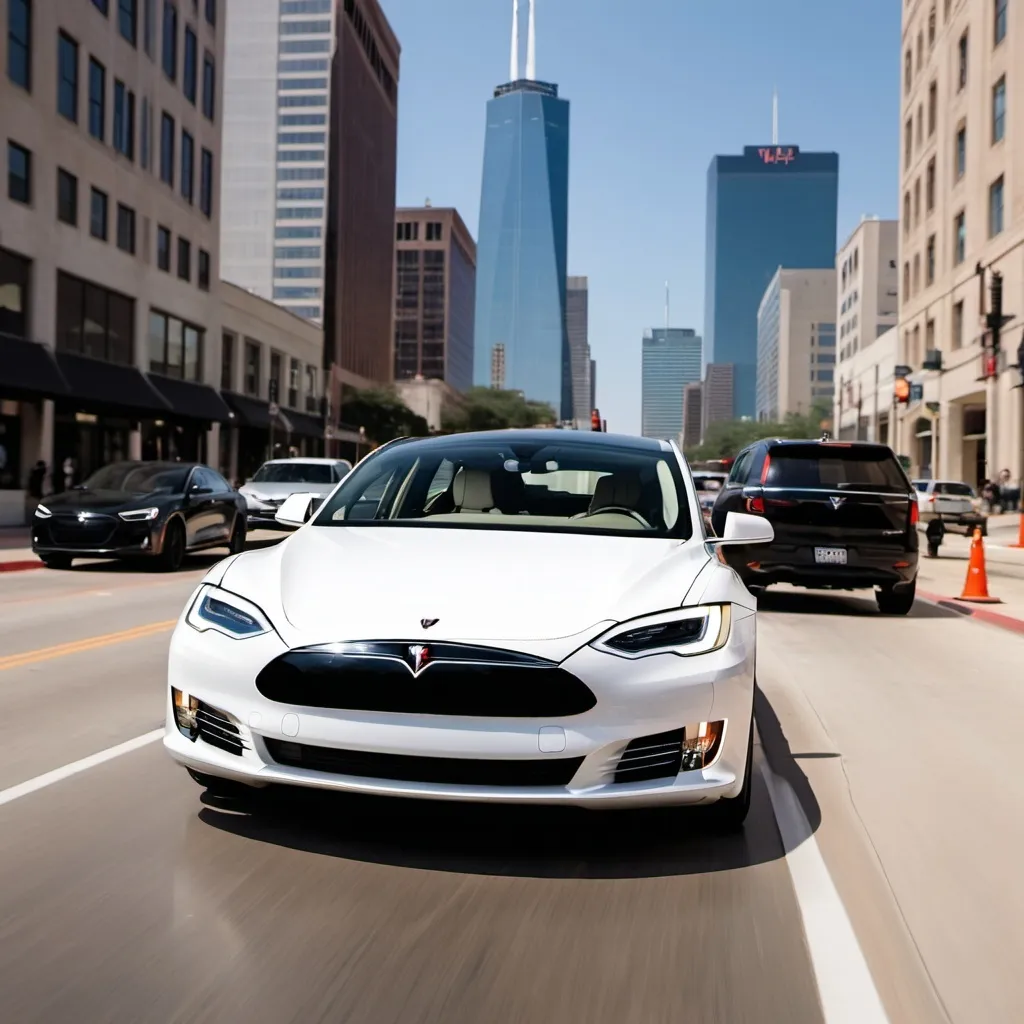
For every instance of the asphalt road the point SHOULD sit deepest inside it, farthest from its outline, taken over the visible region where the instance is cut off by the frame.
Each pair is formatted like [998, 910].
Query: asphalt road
[129, 895]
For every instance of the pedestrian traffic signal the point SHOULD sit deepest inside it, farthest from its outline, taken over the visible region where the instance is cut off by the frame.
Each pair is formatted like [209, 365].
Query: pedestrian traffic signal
[595, 420]
[901, 387]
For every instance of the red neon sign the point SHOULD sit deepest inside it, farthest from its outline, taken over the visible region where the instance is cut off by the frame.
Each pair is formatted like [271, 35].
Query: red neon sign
[776, 154]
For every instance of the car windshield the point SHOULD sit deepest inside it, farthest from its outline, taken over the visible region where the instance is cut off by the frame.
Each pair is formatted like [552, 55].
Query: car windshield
[502, 484]
[708, 483]
[139, 478]
[955, 490]
[293, 473]
[834, 466]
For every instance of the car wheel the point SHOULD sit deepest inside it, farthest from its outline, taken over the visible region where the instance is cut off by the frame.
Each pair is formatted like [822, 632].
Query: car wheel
[173, 553]
[237, 543]
[56, 561]
[728, 815]
[896, 602]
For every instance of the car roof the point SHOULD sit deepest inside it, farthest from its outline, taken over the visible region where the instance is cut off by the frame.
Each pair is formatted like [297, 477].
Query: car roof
[594, 438]
[156, 464]
[834, 442]
[314, 460]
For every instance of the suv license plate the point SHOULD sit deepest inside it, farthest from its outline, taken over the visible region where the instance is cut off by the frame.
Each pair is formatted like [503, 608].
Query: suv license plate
[830, 556]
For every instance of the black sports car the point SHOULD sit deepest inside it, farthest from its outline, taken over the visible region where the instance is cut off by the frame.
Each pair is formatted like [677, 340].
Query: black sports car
[157, 510]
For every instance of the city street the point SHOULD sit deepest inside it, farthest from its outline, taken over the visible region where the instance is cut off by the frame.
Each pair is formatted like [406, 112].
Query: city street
[126, 897]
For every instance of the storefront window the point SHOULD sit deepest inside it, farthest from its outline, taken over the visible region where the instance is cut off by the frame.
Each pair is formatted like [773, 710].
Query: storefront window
[14, 272]
[93, 321]
[191, 354]
[157, 341]
[175, 348]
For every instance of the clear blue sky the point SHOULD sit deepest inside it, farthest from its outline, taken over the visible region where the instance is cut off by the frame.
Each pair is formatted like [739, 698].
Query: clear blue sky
[657, 88]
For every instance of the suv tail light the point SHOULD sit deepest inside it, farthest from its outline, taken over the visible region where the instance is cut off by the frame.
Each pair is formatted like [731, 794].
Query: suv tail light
[764, 470]
[755, 505]
[915, 512]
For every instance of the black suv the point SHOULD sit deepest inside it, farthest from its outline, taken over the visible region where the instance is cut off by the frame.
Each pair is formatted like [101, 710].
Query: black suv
[845, 517]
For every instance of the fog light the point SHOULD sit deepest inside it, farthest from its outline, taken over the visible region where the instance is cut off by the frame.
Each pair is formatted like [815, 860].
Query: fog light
[701, 744]
[185, 709]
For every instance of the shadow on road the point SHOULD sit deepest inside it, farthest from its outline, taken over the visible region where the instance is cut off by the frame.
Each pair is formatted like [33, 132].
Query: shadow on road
[202, 560]
[517, 841]
[825, 602]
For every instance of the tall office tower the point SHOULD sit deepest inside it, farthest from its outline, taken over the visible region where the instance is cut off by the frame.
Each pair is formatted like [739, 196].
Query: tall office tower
[276, 107]
[523, 236]
[576, 315]
[671, 360]
[435, 289]
[718, 397]
[773, 206]
[692, 415]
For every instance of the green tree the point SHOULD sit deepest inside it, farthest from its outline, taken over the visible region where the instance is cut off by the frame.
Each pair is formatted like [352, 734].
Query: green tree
[493, 409]
[724, 440]
[382, 414]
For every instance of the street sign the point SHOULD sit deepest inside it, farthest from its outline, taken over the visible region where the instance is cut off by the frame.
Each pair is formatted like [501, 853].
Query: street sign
[274, 409]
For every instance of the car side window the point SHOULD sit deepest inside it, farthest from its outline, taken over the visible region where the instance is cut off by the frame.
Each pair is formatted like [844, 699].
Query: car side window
[203, 478]
[740, 468]
[218, 482]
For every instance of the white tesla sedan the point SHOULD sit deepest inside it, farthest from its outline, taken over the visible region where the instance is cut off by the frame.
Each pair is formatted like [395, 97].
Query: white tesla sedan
[530, 616]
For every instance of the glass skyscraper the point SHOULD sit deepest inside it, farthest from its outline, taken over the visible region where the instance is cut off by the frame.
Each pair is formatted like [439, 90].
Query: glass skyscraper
[672, 359]
[522, 243]
[774, 206]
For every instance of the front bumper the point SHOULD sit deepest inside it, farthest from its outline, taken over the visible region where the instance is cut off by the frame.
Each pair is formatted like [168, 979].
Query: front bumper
[105, 537]
[635, 699]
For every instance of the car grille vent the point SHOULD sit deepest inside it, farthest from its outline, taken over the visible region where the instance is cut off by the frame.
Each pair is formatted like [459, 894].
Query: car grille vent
[651, 757]
[215, 727]
[447, 771]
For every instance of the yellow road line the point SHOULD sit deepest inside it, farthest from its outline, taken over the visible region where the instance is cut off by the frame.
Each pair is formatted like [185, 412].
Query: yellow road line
[88, 644]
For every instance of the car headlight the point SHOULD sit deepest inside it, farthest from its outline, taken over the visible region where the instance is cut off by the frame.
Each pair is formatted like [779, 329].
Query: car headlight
[685, 632]
[139, 515]
[226, 613]
[43, 512]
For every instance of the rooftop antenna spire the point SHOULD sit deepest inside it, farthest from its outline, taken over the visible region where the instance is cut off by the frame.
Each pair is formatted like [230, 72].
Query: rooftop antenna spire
[513, 63]
[531, 47]
[666, 310]
[775, 116]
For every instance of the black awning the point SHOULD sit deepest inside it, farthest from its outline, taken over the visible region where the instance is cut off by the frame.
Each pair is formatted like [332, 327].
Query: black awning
[304, 425]
[191, 401]
[249, 412]
[28, 370]
[95, 382]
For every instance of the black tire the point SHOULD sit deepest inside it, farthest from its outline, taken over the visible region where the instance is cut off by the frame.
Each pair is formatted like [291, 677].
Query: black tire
[236, 545]
[728, 815]
[757, 589]
[896, 602]
[173, 553]
[56, 561]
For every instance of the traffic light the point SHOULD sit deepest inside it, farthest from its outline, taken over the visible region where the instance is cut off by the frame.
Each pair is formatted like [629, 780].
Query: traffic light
[595, 420]
[901, 386]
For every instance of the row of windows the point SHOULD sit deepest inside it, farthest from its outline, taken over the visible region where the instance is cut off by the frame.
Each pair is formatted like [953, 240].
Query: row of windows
[305, 28]
[300, 174]
[299, 120]
[302, 101]
[300, 156]
[298, 252]
[297, 273]
[300, 84]
[293, 232]
[301, 138]
[175, 347]
[168, 131]
[94, 321]
[99, 212]
[409, 231]
[303, 64]
[300, 193]
[300, 212]
[306, 7]
[304, 46]
[169, 57]
[252, 375]
[296, 292]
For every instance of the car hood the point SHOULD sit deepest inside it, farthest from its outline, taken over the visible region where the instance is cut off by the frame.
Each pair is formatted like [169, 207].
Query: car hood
[326, 584]
[100, 501]
[282, 490]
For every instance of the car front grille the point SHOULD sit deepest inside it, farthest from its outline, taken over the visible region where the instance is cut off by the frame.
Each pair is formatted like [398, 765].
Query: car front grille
[93, 532]
[459, 680]
[651, 757]
[217, 730]
[447, 771]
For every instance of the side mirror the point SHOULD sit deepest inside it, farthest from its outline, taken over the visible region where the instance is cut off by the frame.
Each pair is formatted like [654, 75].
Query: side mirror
[296, 510]
[741, 528]
[198, 492]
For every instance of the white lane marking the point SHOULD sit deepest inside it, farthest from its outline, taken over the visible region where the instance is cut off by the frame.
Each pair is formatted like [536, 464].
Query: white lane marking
[845, 986]
[65, 772]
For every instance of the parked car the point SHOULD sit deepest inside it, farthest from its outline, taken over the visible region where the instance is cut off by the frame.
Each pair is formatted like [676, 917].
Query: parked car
[845, 517]
[952, 501]
[278, 479]
[152, 510]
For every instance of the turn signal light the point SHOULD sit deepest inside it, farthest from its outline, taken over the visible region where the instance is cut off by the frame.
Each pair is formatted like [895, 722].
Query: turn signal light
[701, 744]
[185, 708]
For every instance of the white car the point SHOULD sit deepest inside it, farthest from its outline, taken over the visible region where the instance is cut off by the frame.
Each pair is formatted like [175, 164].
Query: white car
[278, 479]
[530, 616]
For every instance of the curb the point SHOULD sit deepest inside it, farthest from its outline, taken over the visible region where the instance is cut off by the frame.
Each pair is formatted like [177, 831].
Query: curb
[20, 566]
[1007, 622]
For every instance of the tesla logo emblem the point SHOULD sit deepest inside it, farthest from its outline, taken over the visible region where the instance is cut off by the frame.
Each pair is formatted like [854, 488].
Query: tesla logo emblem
[836, 502]
[427, 623]
[420, 656]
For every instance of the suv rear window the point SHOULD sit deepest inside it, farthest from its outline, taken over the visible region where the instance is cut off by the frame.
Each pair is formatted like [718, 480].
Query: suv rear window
[836, 467]
[959, 490]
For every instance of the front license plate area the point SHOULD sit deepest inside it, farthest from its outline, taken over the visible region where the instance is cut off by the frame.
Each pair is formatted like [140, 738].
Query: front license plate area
[830, 556]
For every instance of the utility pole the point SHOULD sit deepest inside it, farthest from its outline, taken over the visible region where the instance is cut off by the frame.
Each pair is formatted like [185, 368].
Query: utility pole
[994, 322]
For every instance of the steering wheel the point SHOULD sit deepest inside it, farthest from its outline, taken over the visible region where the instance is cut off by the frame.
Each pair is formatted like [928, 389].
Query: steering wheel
[624, 511]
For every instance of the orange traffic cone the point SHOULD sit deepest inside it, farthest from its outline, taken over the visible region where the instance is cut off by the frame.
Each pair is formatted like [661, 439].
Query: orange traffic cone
[976, 584]
[1020, 533]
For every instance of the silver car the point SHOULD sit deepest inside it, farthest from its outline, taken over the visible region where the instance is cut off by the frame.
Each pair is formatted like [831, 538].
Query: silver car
[274, 481]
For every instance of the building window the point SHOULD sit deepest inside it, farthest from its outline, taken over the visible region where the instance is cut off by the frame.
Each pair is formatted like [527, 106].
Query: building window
[957, 332]
[931, 27]
[98, 214]
[917, 202]
[67, 197]
[19, 43]
[127, 19]
[175, 347]
[206, 182]
[294, 373]
[917, 273]
[999, 110]
[227, 361]
[184, 259]
[190, 71]
[434, 231]
[126, 228]
[929, 186]
[995, 207]
[908, 71]
[252, 368]
[204, 270]
[19, 173]
[94, 321]
[170, 41]
[146, 131]
[933, 107]
[929, 263]
[1000, 22]
[311, 395]
[101, 6]
[298, 252]
[97, 99]
[962, 60]
[124, 120]
[188, 165]
[149, 27]
[959, 238]
[920, 50]
[906, 218]
[211, 12]
[209, 87]
[305, 28]
[67, 77]
[960, 153]
[408, 232]
[167, 149]
[908, 141]
[304, 46]
[163, 248]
